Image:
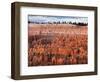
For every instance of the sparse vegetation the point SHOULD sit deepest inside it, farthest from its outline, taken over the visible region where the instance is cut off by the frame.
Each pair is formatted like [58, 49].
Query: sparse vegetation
[58, 22]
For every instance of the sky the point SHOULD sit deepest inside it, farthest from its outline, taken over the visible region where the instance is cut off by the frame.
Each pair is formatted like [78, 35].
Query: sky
[45, 19]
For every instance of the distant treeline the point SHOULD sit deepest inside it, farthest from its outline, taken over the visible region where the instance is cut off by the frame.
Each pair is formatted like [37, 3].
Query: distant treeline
[79, 23]
[75, 23]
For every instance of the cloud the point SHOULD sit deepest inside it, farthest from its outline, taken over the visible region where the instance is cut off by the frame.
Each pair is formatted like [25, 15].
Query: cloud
[57, 18]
